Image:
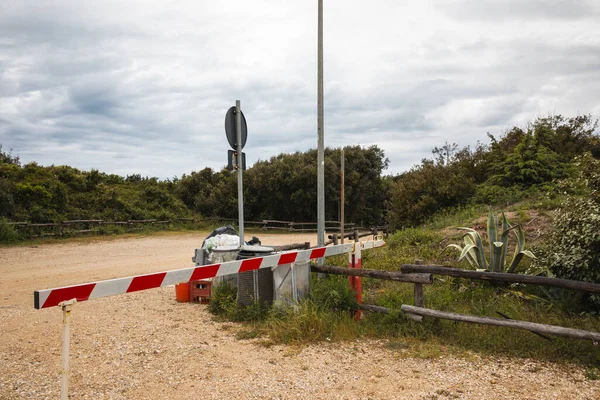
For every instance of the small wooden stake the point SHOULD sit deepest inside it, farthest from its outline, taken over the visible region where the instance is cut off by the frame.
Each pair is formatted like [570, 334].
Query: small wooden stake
[419, 301]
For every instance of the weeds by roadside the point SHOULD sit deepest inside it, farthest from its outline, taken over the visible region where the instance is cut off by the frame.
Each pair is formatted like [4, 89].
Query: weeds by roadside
[327, 315]
[8, 233]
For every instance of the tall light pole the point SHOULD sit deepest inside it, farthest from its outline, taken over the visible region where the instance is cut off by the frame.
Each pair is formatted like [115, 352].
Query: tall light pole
[239, 160]
[342, 195]
[321, 135]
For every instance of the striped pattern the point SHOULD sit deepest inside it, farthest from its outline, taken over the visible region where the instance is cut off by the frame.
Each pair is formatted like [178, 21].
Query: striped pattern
[53, 297]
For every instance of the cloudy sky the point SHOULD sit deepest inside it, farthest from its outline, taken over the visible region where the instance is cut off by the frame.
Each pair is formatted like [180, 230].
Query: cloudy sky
[143, 86]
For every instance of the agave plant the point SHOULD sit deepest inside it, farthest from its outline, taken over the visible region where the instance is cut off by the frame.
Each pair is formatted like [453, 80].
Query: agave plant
[474, 250]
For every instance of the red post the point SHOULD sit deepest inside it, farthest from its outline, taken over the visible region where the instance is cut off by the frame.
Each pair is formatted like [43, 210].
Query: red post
[351, 264]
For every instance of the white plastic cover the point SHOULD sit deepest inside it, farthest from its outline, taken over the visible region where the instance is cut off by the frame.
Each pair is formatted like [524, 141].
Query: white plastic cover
[291, 281]
[221, 240]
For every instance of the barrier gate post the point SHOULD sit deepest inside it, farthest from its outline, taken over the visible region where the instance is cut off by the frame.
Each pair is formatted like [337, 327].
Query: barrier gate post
[66, 308]
[356, 281]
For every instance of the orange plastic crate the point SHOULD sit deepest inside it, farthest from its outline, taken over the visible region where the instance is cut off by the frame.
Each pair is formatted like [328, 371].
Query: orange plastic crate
[200, 291]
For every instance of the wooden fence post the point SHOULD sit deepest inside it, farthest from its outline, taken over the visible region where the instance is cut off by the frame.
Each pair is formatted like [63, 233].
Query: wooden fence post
[419, 289]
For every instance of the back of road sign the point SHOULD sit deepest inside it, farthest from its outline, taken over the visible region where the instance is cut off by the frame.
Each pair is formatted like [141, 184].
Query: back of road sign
[230, 129]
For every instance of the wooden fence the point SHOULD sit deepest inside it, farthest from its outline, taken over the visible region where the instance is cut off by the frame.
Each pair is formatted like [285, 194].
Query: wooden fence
[92, 226]
[419, 275]
[76, 227]
[293, 226]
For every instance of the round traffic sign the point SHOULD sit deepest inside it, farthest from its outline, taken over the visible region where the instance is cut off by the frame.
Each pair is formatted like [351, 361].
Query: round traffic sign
[230, 129]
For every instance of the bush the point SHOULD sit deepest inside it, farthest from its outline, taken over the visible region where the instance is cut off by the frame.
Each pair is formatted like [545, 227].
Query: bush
[573, 249]
[223, 299]
[497, 195]
[426, 189]
[224, 302]
[326, 315]
[8, 233]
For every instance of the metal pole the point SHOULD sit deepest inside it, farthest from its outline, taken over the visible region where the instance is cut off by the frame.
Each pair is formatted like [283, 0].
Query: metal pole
[238, 160]
[342, 166]
[294, 287]
[66, 308]
[321, 138]
[358, 279]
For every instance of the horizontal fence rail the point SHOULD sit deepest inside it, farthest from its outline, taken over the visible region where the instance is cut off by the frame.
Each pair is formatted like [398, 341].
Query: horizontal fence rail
[374, 273]
[79, 226]
[502, 277]
[356, 235]
[270, 224]
[523, 325]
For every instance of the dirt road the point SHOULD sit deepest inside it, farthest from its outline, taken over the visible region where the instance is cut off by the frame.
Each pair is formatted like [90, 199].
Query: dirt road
[145, 345]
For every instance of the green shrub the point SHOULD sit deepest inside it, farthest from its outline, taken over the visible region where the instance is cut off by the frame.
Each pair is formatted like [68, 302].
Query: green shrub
[8, 233]
[497, 195]
[573, 249]
[255, 312]
[426, 189]
[333, 293]
[223, 300]
[326, 315]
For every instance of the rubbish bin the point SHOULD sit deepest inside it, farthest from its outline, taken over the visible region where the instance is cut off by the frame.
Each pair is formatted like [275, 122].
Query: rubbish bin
[255, 285]
[220, 255]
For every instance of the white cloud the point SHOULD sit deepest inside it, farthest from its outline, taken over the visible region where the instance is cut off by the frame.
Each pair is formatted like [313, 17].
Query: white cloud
[143, 86]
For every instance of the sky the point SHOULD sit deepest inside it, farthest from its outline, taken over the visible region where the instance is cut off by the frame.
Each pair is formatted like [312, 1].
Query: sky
[142, 87]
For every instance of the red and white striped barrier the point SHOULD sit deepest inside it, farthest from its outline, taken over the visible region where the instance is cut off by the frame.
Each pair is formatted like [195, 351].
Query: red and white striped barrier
[53, 297]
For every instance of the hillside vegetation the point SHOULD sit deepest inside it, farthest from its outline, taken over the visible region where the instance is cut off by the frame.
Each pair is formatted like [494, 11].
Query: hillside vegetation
[522, 163]
[525, 163]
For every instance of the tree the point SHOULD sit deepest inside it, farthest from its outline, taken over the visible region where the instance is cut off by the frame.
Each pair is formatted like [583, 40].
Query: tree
[10, 169]
[443, 155]
[435, 185]
[530, 163]
[541, 152]
[195, 190]
[568, 138]
[9, 158]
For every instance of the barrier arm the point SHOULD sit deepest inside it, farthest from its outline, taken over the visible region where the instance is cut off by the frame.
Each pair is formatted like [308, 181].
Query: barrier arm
[53, 297]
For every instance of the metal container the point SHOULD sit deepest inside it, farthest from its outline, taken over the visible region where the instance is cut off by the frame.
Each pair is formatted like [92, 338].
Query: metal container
[257, 285]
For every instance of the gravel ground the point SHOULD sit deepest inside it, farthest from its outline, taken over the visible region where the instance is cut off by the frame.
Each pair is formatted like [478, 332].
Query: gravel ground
[145, 345]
